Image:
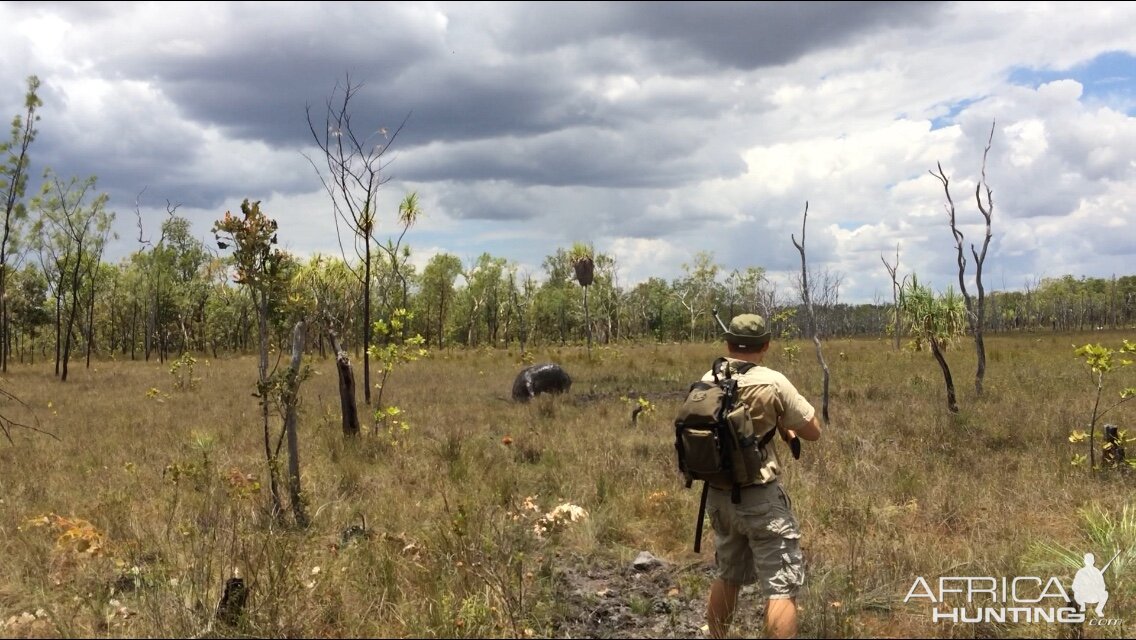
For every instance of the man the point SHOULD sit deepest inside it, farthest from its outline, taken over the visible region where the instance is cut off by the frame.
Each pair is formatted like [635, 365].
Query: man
[758, 539]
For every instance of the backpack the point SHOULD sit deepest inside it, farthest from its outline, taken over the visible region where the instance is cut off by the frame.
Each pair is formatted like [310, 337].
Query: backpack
[715, 440]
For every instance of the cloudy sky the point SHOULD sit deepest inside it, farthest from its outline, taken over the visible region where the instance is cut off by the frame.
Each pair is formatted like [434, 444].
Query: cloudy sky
[651, 130]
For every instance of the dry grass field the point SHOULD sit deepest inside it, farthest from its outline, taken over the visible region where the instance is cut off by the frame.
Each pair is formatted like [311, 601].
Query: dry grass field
[128, 522]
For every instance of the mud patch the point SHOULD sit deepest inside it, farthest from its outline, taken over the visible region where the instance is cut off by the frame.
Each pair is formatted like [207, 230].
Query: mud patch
[660, 600]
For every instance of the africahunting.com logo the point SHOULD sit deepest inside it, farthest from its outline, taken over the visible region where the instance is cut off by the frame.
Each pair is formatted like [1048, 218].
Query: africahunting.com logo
[1021, 599]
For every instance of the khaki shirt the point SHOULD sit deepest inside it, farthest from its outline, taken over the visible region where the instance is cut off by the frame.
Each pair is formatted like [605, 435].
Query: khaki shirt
[773, 401]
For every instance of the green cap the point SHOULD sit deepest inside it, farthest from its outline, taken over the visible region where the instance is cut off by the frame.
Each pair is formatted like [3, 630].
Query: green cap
[747, 329]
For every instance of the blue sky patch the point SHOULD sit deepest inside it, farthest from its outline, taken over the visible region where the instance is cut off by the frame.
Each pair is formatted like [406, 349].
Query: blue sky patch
[948, 118]
[1109, 78]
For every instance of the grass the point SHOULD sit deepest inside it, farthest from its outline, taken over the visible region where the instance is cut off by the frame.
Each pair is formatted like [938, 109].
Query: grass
[129, 524]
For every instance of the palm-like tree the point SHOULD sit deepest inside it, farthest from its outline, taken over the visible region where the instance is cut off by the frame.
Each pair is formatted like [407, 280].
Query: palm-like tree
[934, 320]
[583, 263]
[408, 212]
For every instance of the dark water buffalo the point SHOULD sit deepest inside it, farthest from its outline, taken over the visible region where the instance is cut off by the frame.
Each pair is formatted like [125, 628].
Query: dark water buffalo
[538, 379]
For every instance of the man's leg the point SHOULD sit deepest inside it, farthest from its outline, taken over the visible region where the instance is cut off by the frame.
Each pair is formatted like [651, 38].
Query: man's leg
[781, 618]
[720, 608]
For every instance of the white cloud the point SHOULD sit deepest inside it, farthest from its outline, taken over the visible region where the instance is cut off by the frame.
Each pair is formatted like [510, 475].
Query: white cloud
[640, 259]
[535, 126]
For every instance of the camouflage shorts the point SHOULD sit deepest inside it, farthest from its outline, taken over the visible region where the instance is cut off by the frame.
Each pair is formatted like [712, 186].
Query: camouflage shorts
[758, 540]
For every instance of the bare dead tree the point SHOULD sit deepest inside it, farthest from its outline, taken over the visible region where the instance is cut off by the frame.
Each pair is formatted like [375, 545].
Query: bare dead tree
[891, 269]
[975, 308]
[346, 381]
[987, 211]
[809, 309]
[355, 171]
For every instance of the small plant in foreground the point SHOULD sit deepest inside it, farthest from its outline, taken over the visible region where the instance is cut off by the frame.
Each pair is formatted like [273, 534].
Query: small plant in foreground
[1100, 361]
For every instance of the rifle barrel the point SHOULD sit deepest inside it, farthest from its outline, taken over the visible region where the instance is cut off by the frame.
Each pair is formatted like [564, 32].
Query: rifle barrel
[720, 323]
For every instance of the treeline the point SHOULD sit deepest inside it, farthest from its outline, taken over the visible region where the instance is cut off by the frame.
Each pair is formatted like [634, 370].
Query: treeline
[176, 295]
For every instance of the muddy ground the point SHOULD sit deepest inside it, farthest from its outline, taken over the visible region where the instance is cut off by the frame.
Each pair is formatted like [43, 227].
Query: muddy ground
[648, 598]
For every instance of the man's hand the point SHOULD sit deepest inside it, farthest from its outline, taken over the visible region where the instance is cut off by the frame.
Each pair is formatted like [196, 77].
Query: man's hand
[790, 436]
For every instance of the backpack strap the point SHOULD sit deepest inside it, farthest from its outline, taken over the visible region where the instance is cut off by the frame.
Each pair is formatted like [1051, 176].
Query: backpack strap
[720, 370]
[767, 437]
[719, 367]
[736, 490]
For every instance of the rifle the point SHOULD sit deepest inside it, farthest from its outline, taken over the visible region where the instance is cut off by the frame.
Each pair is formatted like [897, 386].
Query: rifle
[701, 517]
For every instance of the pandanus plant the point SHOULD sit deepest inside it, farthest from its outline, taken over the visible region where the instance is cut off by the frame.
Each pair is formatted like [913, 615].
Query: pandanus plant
[583, 262]
[934, 320]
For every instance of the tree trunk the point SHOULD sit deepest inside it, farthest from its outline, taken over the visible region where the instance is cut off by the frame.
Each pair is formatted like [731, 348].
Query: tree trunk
[346, 386]
[587, 321]
[91, 322]
[442, 319]
[133, 330]
[152, 323]
[898, 326]
[262, 390]
[823, 368]
[72, 313]
[367, 325]
[952, 405]
[58, 328]
[980, 347]
[291, 420]
[4, 318]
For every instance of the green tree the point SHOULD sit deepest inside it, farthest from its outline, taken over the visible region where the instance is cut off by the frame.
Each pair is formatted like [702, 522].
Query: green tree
[743, 291]
[652, 307]
[436, 299]
[521, 295]
[13, 182]
[29, 308]
[1100, 362]
[315, 288]
[72, 231]
[409, 211]
[259, 267]
[389, 356]
[555, 298]
[695, 290]
[606, 298]
[186, 257]
[100, 278]
[482, 299]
